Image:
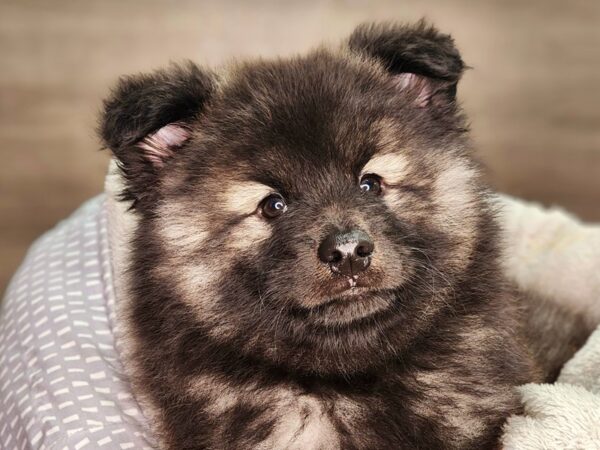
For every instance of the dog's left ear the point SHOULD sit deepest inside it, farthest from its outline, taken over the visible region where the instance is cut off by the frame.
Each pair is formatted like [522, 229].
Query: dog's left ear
[422, 61]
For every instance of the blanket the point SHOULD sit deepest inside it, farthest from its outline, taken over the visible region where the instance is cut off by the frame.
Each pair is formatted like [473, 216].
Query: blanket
[62, 381]
[552, 253]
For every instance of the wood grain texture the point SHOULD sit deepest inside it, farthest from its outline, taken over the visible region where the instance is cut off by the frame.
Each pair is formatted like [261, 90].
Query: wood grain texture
[532, 94]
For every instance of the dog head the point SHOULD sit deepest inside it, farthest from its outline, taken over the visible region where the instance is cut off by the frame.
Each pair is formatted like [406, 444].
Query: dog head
[316, 212]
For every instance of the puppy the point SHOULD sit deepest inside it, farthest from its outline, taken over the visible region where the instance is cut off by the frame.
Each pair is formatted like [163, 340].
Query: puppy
[316, 261]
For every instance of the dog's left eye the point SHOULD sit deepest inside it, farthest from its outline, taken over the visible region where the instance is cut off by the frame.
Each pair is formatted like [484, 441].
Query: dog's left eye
[371, 183]
[272, 206]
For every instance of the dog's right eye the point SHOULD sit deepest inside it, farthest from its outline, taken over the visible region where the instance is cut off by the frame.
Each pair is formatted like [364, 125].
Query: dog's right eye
[371, 183]
[272, 206]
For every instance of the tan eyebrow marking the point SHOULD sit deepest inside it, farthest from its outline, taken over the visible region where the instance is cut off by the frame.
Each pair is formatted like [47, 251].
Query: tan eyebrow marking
[244, 197]
[392, 167]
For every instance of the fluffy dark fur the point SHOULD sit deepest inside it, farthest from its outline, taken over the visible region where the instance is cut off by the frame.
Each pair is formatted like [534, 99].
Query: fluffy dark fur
[239, 336]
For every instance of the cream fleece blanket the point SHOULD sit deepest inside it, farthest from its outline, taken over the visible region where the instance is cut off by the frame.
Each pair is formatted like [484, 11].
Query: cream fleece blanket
[552, 253]
[548, 252]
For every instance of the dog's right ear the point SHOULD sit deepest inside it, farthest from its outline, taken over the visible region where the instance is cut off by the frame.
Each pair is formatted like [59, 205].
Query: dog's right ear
[148, 118]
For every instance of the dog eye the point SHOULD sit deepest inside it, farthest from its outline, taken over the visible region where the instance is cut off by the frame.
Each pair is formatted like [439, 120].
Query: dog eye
[371, 183]
[273, 206]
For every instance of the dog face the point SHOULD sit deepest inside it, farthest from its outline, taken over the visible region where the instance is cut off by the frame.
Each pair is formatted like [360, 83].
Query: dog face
[316, 212]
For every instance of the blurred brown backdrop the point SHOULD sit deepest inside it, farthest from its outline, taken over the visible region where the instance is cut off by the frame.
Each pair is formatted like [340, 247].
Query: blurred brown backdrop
[533, 95]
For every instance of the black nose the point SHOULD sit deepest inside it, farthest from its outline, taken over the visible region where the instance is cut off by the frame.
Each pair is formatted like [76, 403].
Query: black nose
[347, 253]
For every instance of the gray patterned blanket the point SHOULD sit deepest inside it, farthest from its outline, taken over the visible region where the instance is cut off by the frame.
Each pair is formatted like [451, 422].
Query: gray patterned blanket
[62, 384]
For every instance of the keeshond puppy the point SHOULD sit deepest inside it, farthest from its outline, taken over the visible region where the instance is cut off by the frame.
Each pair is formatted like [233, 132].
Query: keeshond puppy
[316, 260]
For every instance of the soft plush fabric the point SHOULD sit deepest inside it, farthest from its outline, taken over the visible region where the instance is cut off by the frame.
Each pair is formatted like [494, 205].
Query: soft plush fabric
[565, 415]
[63, 383]
[552, 253]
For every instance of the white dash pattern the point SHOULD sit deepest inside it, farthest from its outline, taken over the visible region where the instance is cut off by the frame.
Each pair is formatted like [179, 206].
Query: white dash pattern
[62, 384]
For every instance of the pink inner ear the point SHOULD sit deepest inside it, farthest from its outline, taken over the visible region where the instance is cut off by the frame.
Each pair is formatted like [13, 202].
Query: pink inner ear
[159, 145]
[416, 83]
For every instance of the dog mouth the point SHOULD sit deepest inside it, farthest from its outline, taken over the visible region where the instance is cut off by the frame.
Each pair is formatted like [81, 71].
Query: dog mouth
[348, 287]
[351, 304]
[352, 293]
[353, 282]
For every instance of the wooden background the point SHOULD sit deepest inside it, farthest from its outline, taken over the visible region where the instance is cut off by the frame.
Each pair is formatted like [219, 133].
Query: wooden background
[533, 95]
